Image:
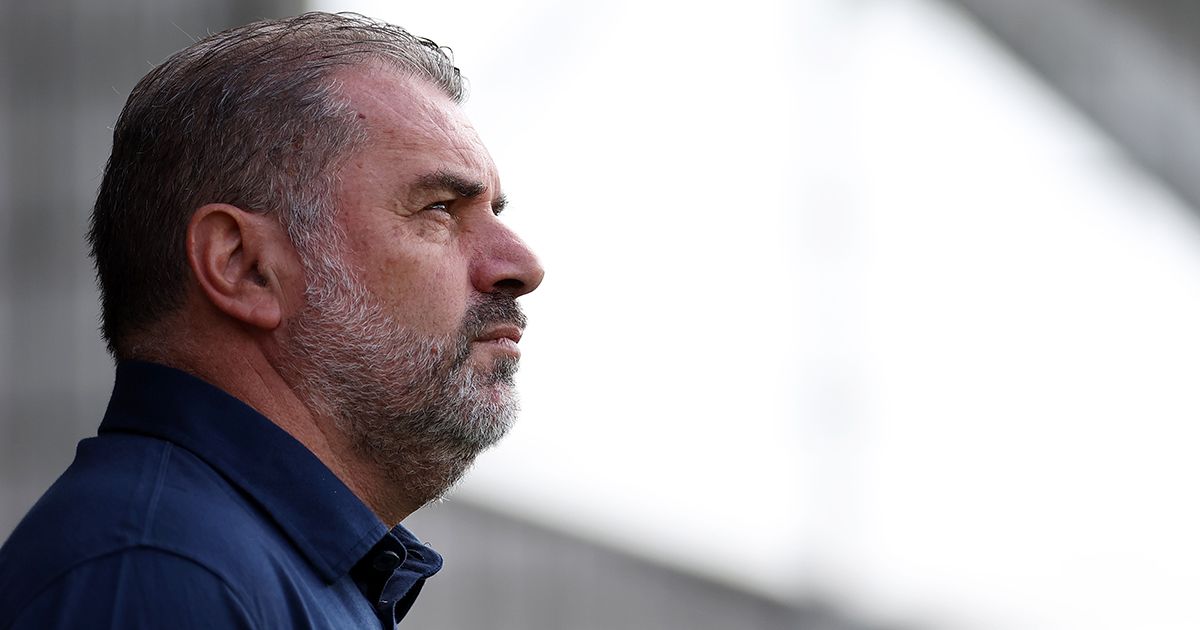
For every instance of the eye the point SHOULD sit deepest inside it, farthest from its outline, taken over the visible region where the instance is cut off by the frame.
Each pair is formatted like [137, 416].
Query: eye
[438, 206]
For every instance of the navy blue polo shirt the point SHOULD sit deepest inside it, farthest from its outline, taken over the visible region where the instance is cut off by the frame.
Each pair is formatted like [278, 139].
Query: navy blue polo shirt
[192, 510]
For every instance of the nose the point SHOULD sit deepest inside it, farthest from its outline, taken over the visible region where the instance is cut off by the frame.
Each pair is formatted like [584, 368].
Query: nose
[505, 264]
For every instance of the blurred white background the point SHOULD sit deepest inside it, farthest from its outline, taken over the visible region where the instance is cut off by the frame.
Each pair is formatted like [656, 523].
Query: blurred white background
[841, 301]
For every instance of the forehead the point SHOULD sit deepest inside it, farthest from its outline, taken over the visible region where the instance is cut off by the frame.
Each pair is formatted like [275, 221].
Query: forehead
[414, 126]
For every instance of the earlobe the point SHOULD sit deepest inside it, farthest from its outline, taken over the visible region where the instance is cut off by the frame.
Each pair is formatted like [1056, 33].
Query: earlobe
[230, 251]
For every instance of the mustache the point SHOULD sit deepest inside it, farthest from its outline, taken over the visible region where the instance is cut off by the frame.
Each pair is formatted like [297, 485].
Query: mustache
[489, 310]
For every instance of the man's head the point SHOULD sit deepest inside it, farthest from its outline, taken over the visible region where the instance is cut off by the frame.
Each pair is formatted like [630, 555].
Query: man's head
[311, 188]
[250, 117]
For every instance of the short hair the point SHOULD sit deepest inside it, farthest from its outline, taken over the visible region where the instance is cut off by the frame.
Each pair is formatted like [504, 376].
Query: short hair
[250, 116]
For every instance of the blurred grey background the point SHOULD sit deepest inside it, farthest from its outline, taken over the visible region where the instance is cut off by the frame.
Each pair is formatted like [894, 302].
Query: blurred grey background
[1131, 67]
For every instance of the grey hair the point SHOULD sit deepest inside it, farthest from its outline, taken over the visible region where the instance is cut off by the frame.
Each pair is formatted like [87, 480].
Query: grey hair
[250, 116]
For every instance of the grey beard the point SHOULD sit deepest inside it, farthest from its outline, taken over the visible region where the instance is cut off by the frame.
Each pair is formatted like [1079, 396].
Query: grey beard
[411, 404]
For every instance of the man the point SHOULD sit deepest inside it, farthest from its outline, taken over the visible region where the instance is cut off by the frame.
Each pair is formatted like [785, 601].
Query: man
[312, 301]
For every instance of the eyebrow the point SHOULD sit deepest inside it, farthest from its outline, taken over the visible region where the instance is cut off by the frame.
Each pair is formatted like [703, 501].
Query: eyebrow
[461, 186]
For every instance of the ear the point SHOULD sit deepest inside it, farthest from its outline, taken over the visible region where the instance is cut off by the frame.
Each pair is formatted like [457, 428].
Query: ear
[233, 255]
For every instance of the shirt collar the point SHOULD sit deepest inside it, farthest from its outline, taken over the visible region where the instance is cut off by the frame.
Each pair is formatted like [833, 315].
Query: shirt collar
[330, 526]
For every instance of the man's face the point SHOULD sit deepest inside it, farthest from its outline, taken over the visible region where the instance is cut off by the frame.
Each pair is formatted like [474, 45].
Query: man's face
[409, 331]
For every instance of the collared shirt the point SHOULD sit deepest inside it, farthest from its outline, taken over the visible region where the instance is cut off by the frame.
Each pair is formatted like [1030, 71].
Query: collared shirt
[192, 510]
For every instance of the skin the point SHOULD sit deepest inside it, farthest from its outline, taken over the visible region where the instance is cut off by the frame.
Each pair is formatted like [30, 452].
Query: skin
[418, 208]
[401, 190]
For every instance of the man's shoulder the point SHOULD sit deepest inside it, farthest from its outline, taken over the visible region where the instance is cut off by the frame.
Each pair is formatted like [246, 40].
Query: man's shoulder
[149, 502]
[138, 588]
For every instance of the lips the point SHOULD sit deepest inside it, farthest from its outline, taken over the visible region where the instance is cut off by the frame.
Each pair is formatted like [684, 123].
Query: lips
[501, 333]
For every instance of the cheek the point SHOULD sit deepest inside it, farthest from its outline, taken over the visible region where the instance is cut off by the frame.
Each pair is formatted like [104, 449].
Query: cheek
[427, 291]
[416, 269]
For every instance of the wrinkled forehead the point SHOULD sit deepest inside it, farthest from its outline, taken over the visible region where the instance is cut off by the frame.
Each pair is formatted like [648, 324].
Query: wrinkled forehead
[411, 120]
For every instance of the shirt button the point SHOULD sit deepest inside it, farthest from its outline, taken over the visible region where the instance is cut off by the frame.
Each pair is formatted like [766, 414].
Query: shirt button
[386, 562]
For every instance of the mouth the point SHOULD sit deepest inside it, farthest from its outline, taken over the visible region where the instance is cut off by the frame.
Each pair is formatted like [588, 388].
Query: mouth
[504, 337]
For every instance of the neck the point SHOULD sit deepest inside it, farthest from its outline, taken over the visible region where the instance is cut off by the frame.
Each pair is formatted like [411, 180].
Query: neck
[246, 373]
